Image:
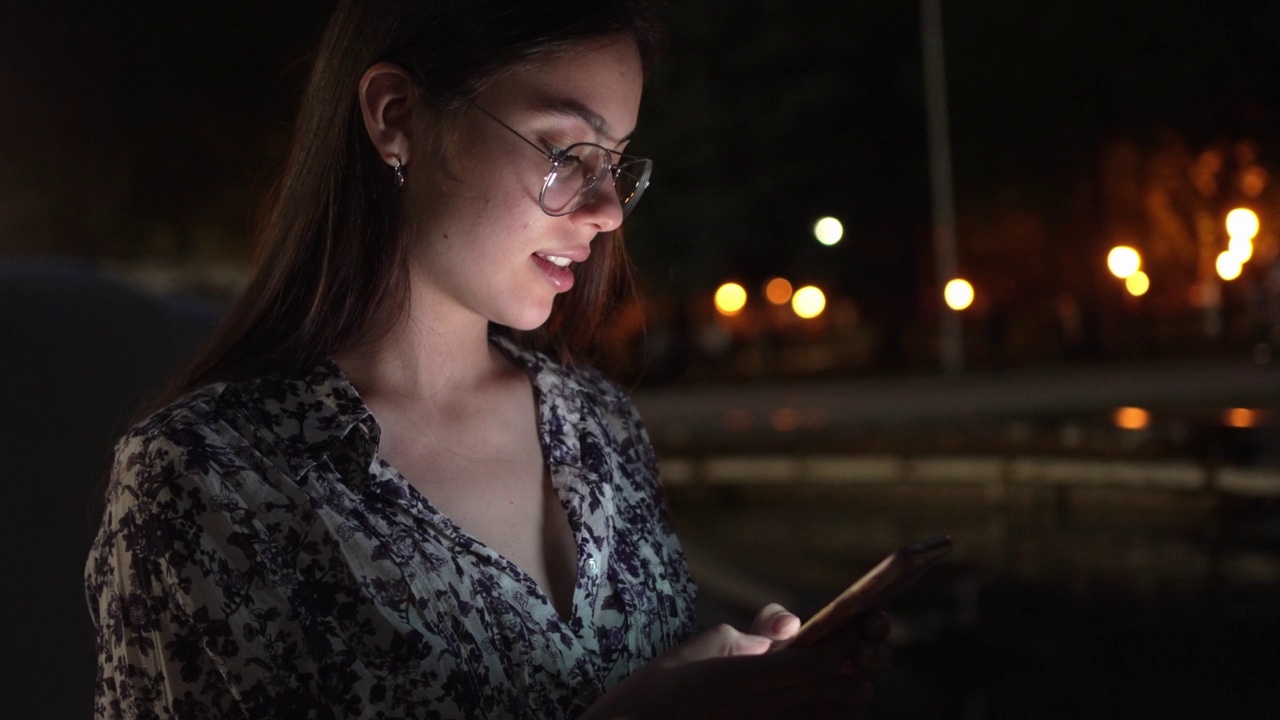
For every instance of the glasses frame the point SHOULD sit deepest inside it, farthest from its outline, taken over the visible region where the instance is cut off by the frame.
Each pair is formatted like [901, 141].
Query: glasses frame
[558, 156]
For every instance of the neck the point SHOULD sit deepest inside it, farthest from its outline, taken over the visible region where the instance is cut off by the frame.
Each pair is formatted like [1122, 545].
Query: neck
[437, 352]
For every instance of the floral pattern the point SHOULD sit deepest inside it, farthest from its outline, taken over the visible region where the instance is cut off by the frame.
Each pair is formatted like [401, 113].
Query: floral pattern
[257, 559]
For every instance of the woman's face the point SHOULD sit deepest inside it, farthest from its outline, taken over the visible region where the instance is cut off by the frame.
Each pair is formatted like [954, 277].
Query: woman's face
[482, 243]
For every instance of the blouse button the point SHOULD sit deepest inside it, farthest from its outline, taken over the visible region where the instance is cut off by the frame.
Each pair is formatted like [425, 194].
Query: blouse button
[591, 566]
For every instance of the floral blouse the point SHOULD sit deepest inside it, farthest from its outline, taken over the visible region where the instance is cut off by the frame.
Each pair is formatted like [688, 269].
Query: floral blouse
[258, 559]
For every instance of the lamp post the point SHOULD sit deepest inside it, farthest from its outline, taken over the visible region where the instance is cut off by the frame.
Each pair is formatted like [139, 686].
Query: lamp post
[944, 214]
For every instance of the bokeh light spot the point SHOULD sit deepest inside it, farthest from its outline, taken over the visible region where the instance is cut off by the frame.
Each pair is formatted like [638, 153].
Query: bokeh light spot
[778, 291]
[1131, 418]
[1228, 265]
[730, 298]
[1253, 181]
[1123, 261]
[808, 302]
[828, 231]
[1241, 247]
[1241, 418]
[1242, 223]
[959, 294]
[1137, 284]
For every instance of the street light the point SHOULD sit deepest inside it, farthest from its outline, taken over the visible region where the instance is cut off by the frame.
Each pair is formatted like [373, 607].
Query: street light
[1242, 223]
[1137, 284]
[959, 294]
[828, 231]
[778, 291]
[730, 299]
[1228, 265]
[1123, 261]
[808, 302]
[1241, 248]
[1131, 418]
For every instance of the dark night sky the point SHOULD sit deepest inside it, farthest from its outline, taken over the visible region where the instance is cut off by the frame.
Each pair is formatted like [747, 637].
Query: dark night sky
[155, 125]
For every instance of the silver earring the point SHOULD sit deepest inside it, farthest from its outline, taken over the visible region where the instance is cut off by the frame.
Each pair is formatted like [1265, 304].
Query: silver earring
[398, 180]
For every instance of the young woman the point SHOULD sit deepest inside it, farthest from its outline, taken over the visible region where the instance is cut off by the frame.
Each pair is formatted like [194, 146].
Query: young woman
[384, 491]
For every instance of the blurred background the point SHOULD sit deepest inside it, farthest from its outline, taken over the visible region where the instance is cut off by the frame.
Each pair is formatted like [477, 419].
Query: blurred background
[1007, 272]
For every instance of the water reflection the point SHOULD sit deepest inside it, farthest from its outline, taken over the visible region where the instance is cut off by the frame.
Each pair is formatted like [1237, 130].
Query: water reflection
[1056, 602]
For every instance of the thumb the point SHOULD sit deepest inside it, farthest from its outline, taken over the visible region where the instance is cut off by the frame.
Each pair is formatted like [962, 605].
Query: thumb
[775, 622]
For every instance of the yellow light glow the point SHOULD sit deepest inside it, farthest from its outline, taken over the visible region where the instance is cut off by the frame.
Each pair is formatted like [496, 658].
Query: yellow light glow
[778, 291]
[828, 230]
[1137, 284]
[1241, 247]
[808, 302]
[1241, 418]
[1123, 261]
[1242, 223]
[1228, 265]
[959, 294]
[1131, 418]
[730, 298]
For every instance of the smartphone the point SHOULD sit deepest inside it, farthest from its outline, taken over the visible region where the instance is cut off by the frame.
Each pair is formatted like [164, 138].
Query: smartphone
[874, 589]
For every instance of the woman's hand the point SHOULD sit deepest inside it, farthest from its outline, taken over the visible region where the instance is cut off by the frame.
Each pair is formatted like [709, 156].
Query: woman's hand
[727, 673]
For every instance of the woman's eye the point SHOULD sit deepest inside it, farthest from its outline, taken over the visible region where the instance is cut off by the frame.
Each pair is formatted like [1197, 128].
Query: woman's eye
[555, 142]
[569, 160]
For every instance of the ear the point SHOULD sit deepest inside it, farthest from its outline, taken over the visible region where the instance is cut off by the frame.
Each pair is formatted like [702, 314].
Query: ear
[388, 99]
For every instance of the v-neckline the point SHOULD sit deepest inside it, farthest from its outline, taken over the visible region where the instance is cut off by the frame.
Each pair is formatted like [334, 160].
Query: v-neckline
[554, 484]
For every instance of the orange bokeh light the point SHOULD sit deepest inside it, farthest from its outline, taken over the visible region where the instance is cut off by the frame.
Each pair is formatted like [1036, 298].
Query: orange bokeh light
[778, 291]
[1131, 418]
[1241, 418]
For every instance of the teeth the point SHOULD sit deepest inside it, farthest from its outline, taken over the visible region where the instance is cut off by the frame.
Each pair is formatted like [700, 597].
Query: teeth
[556, 259]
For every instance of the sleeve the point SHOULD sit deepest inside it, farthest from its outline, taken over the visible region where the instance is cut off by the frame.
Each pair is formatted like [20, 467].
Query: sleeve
[154, 658]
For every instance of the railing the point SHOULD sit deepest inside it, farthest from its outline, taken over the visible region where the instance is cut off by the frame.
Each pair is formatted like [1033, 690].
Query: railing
[996, 474]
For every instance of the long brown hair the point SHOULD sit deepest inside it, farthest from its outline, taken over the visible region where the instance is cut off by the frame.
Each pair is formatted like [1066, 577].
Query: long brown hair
[330, 271]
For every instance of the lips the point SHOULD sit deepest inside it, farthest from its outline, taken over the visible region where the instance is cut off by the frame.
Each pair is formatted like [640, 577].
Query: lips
[558, 275]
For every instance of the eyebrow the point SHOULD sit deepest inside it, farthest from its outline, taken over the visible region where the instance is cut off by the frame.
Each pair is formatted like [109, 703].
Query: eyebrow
[593, 119]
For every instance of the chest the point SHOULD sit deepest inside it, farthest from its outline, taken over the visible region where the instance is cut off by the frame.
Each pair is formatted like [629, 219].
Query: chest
[487, 474]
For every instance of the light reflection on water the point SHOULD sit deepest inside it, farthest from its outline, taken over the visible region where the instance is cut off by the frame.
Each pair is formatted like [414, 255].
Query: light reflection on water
[1089, 602]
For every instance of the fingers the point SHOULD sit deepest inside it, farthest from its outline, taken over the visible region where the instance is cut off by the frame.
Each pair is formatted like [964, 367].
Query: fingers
[717, 642]
[775, 622]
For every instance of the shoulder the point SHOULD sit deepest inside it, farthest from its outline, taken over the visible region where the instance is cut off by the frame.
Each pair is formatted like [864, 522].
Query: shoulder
[217, 431]
[172, 437]
[200, 475]
[205, 415]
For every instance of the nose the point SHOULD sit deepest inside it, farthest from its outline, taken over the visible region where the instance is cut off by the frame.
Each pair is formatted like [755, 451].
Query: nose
[602, 210]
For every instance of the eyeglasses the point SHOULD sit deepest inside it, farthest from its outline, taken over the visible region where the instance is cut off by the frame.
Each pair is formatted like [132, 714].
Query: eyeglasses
[578, 171]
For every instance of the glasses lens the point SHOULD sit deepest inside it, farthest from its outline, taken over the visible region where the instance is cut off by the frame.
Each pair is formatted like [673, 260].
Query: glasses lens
[574, 176]
[632, 177]
[580, 171]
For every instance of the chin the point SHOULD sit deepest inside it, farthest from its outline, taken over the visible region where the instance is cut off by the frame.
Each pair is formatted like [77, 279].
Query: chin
[530, 319]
